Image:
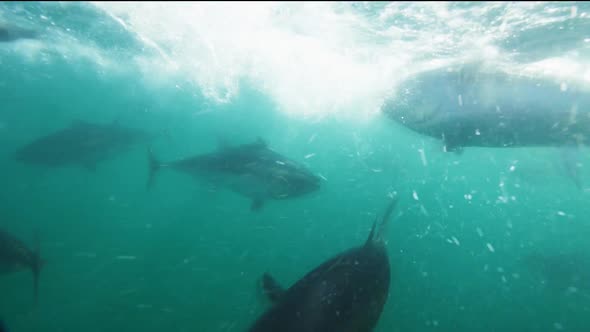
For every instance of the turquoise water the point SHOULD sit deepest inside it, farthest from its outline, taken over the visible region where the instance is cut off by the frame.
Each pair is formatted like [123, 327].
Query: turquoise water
[310, 80]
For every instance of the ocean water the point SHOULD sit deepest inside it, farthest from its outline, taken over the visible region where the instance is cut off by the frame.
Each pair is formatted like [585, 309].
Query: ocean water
[310, 79]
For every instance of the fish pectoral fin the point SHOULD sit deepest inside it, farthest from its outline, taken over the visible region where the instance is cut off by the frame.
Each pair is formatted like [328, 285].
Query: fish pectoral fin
[272, 289]
[257, 204]
[261, 142]
[458, 150]
[450, 144]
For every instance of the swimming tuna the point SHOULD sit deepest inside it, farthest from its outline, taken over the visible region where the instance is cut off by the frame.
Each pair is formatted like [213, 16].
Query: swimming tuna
[82, 144]
[16, 256]
[475, 106]
[252, 170]
[346, 293]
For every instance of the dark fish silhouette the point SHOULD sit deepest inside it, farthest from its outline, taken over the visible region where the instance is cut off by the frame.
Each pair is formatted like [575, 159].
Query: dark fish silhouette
[560, 271]
[16, 256]
[252, 170]
[12, 33]
[2, 327]
[476, 106]
[82, 143]
[347, 293]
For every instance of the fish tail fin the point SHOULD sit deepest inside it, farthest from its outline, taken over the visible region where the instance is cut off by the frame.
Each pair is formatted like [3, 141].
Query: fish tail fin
[154, 165]
[375, 236]
[37, 264]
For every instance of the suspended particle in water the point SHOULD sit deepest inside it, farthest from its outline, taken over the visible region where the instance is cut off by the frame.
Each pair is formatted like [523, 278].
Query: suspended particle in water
[312, 138]
[309, 155]
[563, 86]
[490, 247]
[423, 157]
[423, 210]
[479, 232]
[415, 195]
[127, 258]
[86, 254]
[460, 100]
[572, 290]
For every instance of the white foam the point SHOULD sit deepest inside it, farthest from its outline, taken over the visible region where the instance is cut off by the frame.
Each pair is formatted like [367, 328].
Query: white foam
[311, 59]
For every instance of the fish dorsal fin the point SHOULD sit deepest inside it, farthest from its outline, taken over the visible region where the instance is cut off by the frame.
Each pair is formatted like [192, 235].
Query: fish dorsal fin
[375, 234]
[79, 123]
[468, 73]
[371, 234]
[260, 142]
[223, 144]
[272, 289]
